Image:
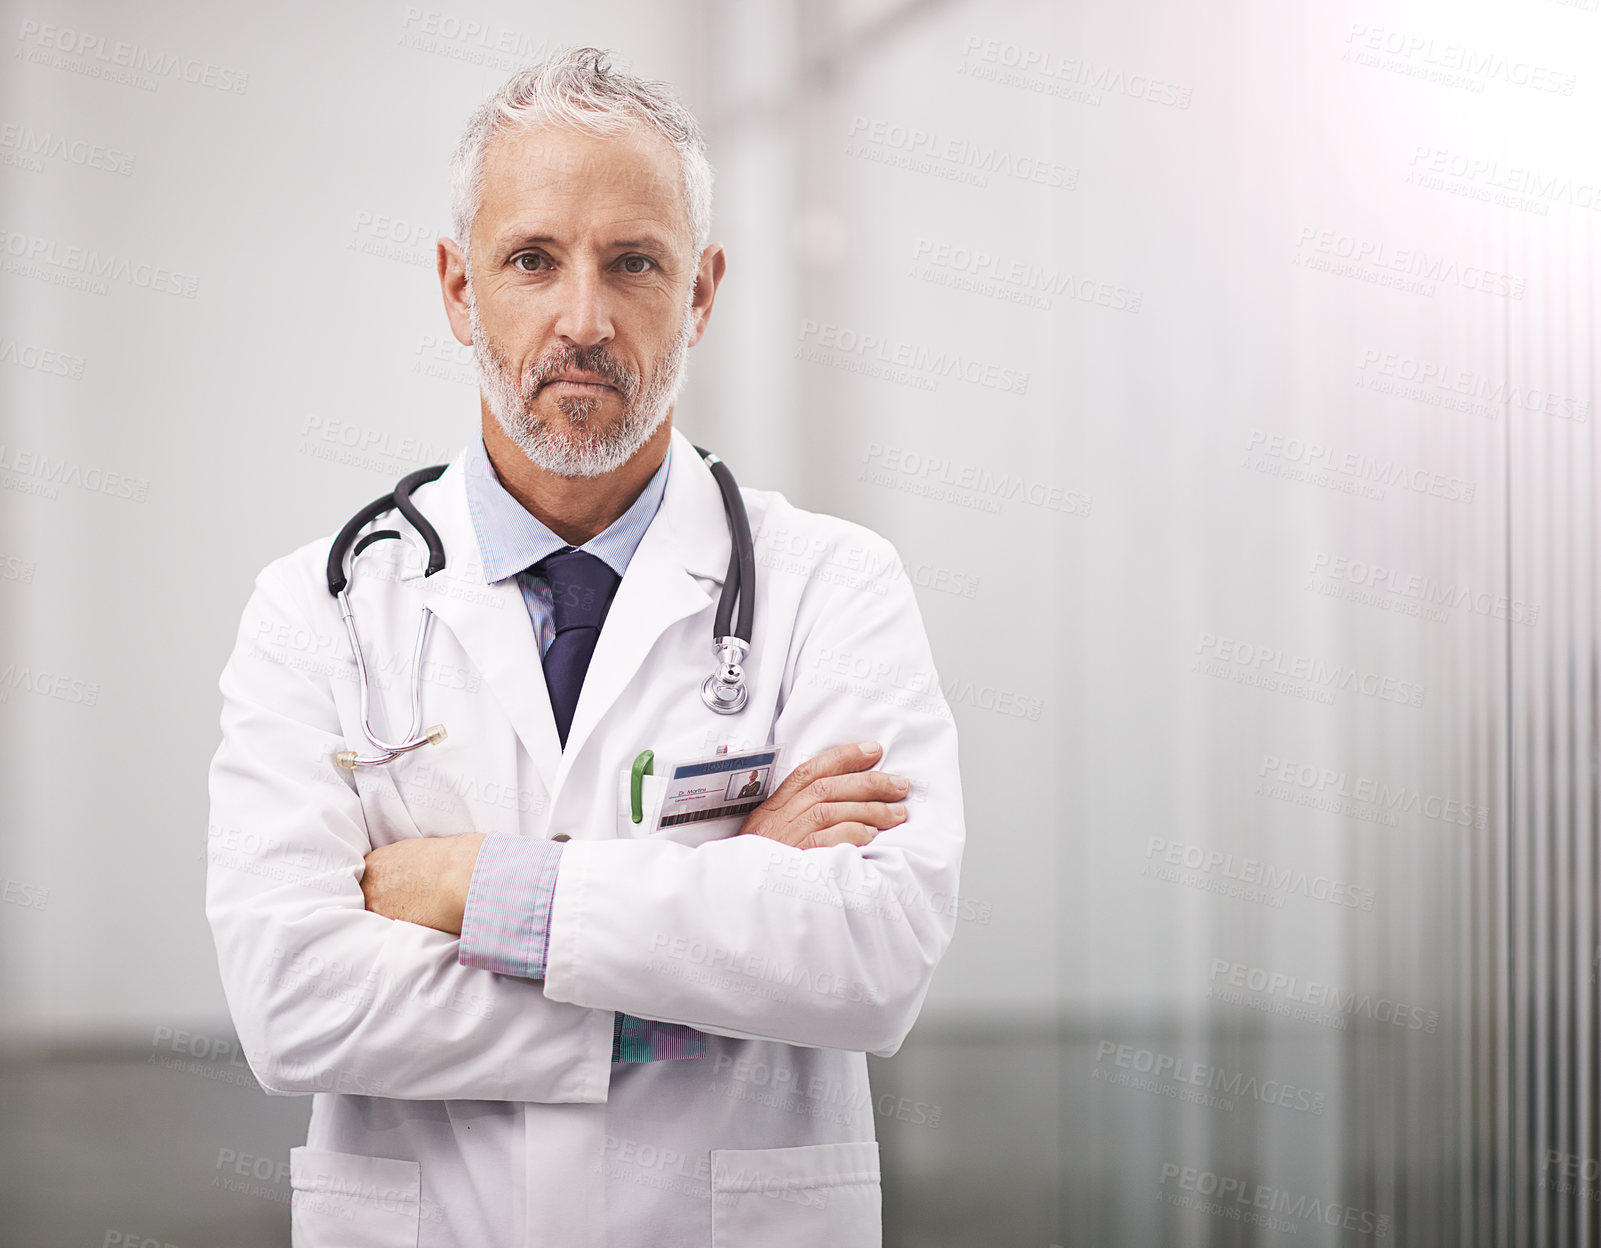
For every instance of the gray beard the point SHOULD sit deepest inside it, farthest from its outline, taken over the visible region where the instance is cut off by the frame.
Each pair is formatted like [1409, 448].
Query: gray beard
[580, 449]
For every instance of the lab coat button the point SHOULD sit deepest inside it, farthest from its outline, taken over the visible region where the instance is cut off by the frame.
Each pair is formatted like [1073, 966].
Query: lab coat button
[561, 836]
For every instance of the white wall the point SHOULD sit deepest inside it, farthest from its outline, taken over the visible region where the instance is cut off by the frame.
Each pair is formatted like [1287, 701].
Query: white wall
[1216, 167]
[1185, 215]
[303, 210]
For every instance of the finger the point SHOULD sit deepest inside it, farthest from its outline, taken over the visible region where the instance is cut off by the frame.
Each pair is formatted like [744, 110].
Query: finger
[875, 814]
[861, 786]
[840, 834]
[840, 759]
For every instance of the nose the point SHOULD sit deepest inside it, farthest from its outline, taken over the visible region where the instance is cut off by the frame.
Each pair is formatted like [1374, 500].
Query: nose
[585, 316]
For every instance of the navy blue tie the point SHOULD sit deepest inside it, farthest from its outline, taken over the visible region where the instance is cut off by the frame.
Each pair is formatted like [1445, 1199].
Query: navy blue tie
[581, 590]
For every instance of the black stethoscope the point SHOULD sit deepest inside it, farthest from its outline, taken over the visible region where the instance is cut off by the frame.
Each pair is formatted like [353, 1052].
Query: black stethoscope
[723, 691]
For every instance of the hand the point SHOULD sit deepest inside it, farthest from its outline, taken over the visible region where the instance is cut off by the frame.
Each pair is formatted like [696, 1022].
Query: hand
[422, 880]
[832, 799]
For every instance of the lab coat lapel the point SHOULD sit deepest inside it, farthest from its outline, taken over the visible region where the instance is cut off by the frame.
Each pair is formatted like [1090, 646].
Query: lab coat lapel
[491, 623]
[688, 539]
[686, 544]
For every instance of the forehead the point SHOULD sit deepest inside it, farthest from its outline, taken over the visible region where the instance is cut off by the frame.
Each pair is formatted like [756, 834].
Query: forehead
[569, 177]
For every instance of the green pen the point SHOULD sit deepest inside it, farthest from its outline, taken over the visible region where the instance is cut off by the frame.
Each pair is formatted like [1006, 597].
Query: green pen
[643, 766]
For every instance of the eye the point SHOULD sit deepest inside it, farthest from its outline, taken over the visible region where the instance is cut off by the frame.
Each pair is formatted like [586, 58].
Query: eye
[527, 255]
[629, 260]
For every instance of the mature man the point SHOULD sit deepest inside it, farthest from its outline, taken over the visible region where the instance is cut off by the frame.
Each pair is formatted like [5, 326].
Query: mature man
[532, 1015]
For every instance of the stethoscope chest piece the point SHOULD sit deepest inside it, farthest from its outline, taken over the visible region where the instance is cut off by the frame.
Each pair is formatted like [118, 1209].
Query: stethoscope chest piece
[724, 690]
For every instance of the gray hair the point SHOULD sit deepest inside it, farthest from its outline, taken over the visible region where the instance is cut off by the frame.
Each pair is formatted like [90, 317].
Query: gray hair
[577, 88]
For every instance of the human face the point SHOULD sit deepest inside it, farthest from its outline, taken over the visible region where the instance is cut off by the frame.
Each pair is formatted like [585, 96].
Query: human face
[580, 446]
[581, 297]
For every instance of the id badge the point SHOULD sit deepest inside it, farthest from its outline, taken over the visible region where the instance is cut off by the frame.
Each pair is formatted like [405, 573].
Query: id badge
[696, 800]
[723, 786]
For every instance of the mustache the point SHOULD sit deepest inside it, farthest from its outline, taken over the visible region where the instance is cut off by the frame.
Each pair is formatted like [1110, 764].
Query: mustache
[584, 359]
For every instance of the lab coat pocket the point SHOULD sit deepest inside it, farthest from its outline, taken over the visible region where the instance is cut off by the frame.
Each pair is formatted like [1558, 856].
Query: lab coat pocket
[650, 792]
[794, 1197]
[344, 1200]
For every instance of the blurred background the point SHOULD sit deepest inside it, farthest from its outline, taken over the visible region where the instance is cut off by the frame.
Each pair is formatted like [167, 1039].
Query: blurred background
[1225, 376]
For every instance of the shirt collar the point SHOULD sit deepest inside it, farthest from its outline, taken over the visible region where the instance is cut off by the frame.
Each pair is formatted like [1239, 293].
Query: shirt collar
[510, 538]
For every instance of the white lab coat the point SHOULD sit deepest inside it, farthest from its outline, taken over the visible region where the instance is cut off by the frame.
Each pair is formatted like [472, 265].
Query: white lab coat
[456, 1106]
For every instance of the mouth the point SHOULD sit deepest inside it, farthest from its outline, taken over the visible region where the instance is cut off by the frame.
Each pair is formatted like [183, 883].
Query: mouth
[590, 382]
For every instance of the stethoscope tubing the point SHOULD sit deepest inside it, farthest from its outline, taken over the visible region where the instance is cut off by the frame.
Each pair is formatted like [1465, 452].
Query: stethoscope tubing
[729, 636]
[741, 556]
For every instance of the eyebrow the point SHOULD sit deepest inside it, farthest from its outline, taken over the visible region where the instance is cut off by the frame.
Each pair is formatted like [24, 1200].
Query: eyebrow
[647, 240]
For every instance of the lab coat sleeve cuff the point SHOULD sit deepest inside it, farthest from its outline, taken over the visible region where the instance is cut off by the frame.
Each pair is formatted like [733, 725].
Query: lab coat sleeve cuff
[506, 925]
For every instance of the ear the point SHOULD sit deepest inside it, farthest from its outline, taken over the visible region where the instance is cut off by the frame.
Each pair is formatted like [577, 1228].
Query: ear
[713, 262]
[453, 286]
